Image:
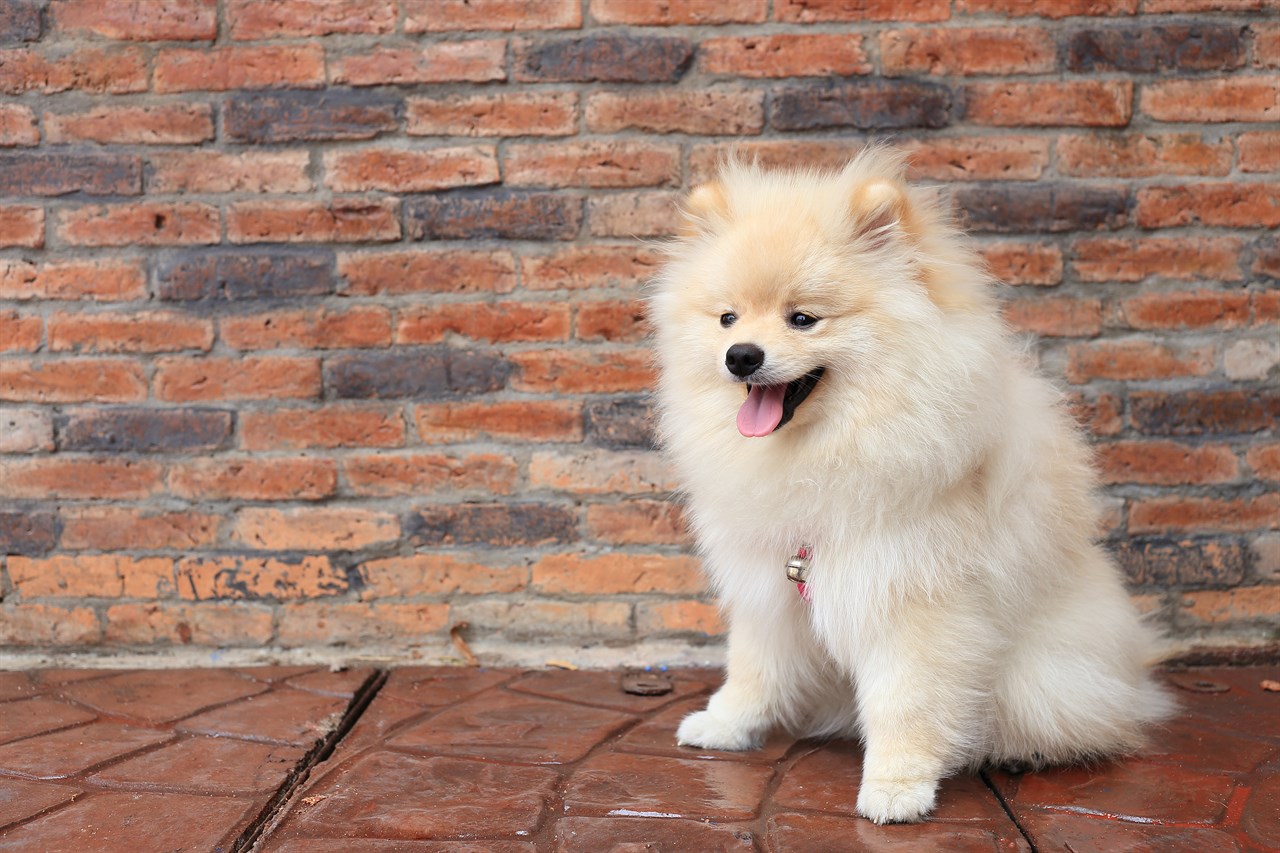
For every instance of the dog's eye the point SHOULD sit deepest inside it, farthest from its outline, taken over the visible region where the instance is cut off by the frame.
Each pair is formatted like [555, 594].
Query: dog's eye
[728, 318]
[800, 320]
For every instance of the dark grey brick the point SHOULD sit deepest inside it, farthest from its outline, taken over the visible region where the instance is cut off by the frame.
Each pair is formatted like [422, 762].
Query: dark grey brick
[1204, 411]
[19, 21]
[198, 275]
[137, 430]
[299, 116]
[27, 533]
[45, 174]
[1201, 47]
[604, 58]
[623, 423]
[492, 525]
[502, 214]
[1042, 207]
[871, 105]
[429, 373]
[1186, 562]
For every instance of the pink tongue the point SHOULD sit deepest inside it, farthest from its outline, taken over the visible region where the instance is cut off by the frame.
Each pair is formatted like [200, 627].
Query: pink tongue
[762, 410]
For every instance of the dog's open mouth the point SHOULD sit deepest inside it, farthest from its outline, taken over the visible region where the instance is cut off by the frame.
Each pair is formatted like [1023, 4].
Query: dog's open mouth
[769, 407]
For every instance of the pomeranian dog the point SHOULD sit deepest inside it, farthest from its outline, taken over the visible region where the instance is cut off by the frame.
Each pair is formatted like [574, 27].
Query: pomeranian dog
[895, 511]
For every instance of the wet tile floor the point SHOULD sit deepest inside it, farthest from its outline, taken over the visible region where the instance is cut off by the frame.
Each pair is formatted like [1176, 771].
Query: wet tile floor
[304, 760]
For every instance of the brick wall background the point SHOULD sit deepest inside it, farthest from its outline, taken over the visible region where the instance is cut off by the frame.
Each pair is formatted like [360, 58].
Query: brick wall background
[319, 318]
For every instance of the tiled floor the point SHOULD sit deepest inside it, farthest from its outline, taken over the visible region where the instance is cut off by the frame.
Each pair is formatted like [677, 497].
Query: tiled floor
[303, 760]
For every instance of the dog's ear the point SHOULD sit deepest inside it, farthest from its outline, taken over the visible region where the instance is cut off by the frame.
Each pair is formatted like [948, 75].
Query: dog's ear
[879, 212]
[704, 207]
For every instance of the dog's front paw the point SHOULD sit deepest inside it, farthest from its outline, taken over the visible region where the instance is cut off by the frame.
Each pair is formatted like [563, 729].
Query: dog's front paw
[704, 730]
[896, 800]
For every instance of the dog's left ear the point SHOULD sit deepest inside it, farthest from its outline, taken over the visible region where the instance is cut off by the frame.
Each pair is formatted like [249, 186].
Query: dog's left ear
[879, 212]
[703, 208]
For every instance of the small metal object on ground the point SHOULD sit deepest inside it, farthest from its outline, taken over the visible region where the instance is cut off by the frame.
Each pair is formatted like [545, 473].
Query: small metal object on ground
[640, 683]
[1198, 685]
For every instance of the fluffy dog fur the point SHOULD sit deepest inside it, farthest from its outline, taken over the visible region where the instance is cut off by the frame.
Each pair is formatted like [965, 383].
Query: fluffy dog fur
[960, 611]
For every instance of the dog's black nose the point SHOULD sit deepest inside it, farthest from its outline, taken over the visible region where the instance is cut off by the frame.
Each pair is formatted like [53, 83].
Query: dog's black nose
[743, 359]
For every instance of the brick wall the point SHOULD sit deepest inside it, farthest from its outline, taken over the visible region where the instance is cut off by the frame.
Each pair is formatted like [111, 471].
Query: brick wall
[319, 318]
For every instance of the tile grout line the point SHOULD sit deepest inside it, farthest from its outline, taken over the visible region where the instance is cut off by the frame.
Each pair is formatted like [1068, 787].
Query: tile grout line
[1004, 804]
[256, 831]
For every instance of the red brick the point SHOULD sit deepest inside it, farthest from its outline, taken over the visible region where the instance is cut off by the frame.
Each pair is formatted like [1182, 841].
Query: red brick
[146, 223]
[583, 371]
[611, 321]
[134, 331]
[1023, 263]
[326, 528]
[1215, 607]
[679, 617]
[1053, 316]
[1194, 310]
[433, 16]
[231, 378]
[95, 70]
[1233, 205]
[1266, 44]
[105, 280]
[1142, 155]
[592, 621]
[23, 227]
[525, 420]
[315, 624]
[421, 474]
[222, 69]
[632, 215]
[1090, 103]
[814, 11]
[175, 20]
[72, 381]
[637, 522]
[1165, 463]
[965, 51]
[115, 528]
[1259, 151]
[1264, 459]
[221, 172]
[584, 267]
[328, 427]
[1179, 514]
[1048, 8]
[601, 472]
[400, 170]
[147, 125]
[612, 574]
[20, 333]
[205, 624]
[249, 20]
[665, 13]
[1101, 415]
[309, 328]
[428, 271]
[1135, 359]
[337, 221]
[1184, 258]
[507, 114]
[497, 322]
[1218, 100]
[79, 477]
[785, 55]
[272, 479]
[437, 575]
[978, 158]
[475, 61]
[46, 625]
[92, 576]
[18, 126]
[706, 112]
[617, 163]
[200, 579]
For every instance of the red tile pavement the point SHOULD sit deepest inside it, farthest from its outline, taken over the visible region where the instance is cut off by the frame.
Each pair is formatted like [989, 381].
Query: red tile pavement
[299, 760]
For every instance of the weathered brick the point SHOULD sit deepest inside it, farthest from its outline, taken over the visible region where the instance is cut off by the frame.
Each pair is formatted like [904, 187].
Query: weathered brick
[145, 125]
[611, 574]
[526, 525]
[26, 430]
[1246, 604]
[1218, 100]
[145, 223]
[232, 378]
[425, 373]
[1203, 411]
[608, 58]
[878, 105]
[43, 173]
[1250, 359]
[1048, 8]
[706, 112]
[218, 275]
[258, 579]
[620, 422]
[1056, 316]
[221, 172]
[18, 126]
[420, 271]
[967, 50]
[474, 61]
[829, 154]
[28, 532]
[436, 575]
[484, 474]
[114, 528]
[1194, 310]
[523, 420]
[1259, 151]
[328, 427]
[95, 70]
[92, 576]
[489, 214]
[1165, 463]
[134, 331]
[250, 20]
[785, 55]
[593, 472]
[309, 328]
[1264, 459]
[222, 69]
[311, 624]
[610, 321]
[1176, 514]
[632, 215]
[582, 371]
[506, 114]
[636, 522]
[20, 332]
[1135, 359]
[401, 170]
[79, 477]
[582, 267]
[1266, 263]
[1043, 207]
[1234, 205]
[273, 479]
[977, 158]
[595, 621]
[1183, 258]
[79, 380]
[1024, 263]
[1147, 49]
[337, 221]
[493, 322]
[309, 116]
[616, 163]
[1142, 155]
[21, 226]
[47, 625]
[680, 617]
[162, 623]
[1090, 103]
[423, 16]
[175, 20]
[665, 13]
[1100, 414]
[1155, 562]
[328, 528]
[143, 430]
[103, 280]
[19, 21]
[815, 11]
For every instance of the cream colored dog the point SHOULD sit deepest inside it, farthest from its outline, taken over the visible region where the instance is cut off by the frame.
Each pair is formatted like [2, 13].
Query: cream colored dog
[838, 390]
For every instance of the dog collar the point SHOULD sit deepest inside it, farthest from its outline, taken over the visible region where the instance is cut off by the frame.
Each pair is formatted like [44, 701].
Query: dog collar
[798, 569]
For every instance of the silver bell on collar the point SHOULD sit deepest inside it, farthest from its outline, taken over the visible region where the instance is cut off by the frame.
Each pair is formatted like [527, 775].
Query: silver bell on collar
[798, 565]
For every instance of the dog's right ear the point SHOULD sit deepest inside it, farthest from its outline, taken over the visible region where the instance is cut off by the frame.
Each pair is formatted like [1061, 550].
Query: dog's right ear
[705, 207]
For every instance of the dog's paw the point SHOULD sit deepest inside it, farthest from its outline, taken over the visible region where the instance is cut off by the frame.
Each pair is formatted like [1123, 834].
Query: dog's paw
[896, 800]
[703, 730]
